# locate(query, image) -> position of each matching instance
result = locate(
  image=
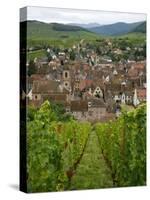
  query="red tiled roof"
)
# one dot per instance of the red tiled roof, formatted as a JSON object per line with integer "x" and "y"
{"x": 79, "y": 105}
{"x": 141, "y": 93}
{"x": 138, "y": 66}
{"x": 97, "y": 103}
{"x": 85, "y": 83}
{"x": 86, "y": 67}
{"x": 59, "y": 98}
{"x": 36, "y": 77}
{"x": 133, "y": 72}
{"x": 45, "y": 86}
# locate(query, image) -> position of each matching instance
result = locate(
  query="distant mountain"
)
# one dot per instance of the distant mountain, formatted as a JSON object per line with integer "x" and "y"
{"x": 87, "y": 26}
{"x": 119, "y": 28}
{"x": 140, "y": 28}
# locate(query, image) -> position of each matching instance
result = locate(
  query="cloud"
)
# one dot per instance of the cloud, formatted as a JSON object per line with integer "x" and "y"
{"x": 81, "y": 16}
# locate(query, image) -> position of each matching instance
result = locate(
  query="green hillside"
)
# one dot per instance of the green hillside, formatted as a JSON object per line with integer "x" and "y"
{"x": 39, "y": 33}
{"x": 42, "y": 35}
{"x": 141, "y": 28}
{"x": 135, "y": 38}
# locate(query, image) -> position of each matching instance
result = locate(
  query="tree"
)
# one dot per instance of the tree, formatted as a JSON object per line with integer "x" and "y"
{"x": 72, "y": 55}
{"x": 49, "y": 56}
{"x": 60, "y": 112}
{"x": 32, "y": 68}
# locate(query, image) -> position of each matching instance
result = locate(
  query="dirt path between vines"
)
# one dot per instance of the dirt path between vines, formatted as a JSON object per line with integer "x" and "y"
{"x": 92, "y": 171}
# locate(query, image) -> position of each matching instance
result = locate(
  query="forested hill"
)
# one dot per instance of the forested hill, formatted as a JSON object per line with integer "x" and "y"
{"x": 36, "y": 29}
{"x": 141, "y": 28}
{"x": 115, "y": 29}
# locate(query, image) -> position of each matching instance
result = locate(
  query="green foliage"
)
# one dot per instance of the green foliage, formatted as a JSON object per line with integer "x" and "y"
{"x": 43, "y": 34}
{"x": 43, "y": 158}
{"x": 141, "y": 28}
{"x": 74, "y": 136}
{"x": 32, "y": 68}
{"x": 72, "y": 55}
{"x": 54, "y": 148}
{"x": 45, "y": 114}
{"x": 36, "y": 54}
{"x": 44, "y": 151}
{"x": 31, "y": 111}
{"x": 123, "y": 144}
{"x": 65, "y": 27}
{"x": 60, "y": 112}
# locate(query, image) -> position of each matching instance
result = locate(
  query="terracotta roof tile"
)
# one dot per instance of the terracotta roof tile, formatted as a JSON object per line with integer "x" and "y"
{"x": 141, "y": 93}
{"x": 45, "y": 86}
{"x": 79, "y": 105}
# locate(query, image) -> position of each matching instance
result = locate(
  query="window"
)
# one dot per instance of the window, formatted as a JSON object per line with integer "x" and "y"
{"x": 89, "y": 104}
{"x": 66, "y": 84}
{"x": 66, "y": 74}
{"x": 36, "y": 97}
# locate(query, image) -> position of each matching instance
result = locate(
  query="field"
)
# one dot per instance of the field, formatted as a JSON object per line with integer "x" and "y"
{"x": 36, "y": 54}
{"x": 68, "y": 155}
{"x": 130, "y": 40}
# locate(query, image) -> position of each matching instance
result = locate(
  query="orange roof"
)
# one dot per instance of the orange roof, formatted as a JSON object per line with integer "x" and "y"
{"x": 35, "y": 77}
{"x": 133, "y": 72}
{"x": 79, "y": 105}
{"x": 85, "y": 83}
{"x": 138, "y": 66}
{"x": 141, "y": 93}
{"x": 45, "y": 86}
{"x": 86, "y": 67}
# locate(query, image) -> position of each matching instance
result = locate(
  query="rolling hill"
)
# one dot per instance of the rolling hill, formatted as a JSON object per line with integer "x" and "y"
{"x": 141, "y": 28}
{"x": 40, "y": 34}
{"x": 52, "y": 33}
{"x": 119, "y": 28}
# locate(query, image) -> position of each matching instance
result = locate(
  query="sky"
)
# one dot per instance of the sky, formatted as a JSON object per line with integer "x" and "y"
{"x": 65, "y": 16}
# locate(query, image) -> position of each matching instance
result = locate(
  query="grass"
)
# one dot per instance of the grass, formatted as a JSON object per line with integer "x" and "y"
{"x": 60, "y": 42}
{"x": 92, "y": 172}
{"x": 126, "y": 107}
{"x": 135, "y": 38}
{"x": 40, "y": 33}
{"x": 36, "y": 54}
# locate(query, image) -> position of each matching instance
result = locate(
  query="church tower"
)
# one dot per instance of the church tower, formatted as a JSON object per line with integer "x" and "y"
{"x": 66, "y": 79}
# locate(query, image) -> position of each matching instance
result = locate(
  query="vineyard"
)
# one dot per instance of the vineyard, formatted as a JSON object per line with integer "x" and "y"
{"x": 67, "y": 154}
{"x": 123, "y": 145}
